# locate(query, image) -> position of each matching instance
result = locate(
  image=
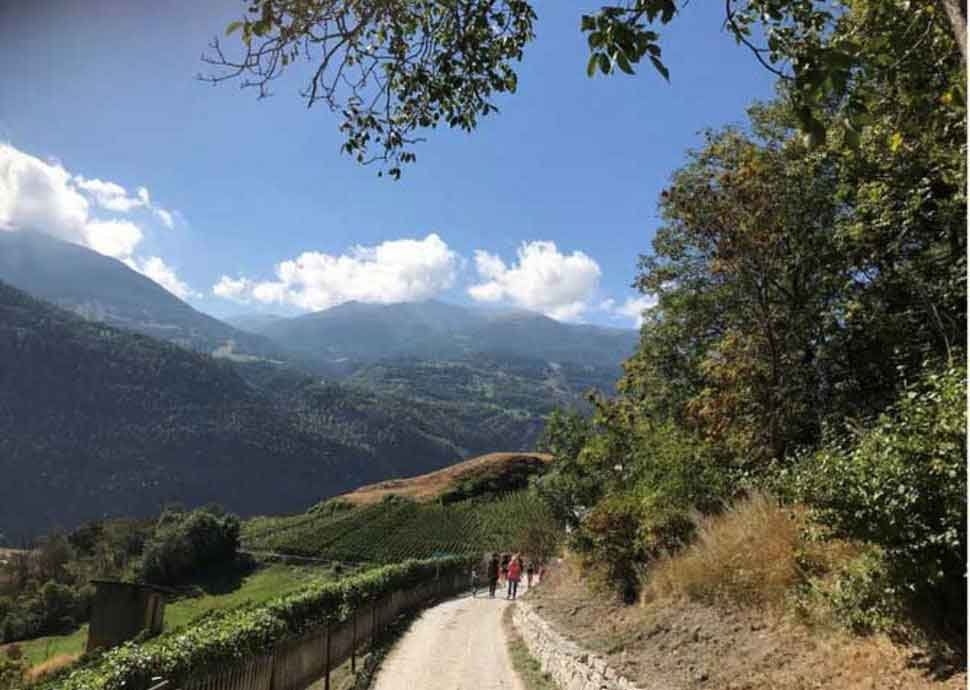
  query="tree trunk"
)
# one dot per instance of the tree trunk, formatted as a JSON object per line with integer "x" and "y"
{"x": 956, "y": 12}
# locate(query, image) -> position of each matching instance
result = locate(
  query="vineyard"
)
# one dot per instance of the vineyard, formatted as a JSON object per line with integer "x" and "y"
{"x": 398, "y": 528}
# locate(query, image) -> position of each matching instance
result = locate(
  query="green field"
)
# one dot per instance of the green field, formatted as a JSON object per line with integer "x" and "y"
{"x": 397, "y": 528}
{"x": 221, "y": 593}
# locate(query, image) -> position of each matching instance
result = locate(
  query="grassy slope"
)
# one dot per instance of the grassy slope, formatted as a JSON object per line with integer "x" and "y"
{"x": 418, "y": 517}
{"x": 736, "y": 609}
{"x": 259, "y": 586}
{"x": 427, "y": 487}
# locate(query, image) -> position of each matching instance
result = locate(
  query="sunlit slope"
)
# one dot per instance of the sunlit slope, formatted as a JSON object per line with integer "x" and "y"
{"x": 477, "y": 506}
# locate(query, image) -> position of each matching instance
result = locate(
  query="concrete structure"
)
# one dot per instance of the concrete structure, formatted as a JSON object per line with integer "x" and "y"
{"x": 121, "y": 610}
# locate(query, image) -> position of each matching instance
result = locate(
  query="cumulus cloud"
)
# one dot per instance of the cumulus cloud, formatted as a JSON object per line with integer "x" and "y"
{"x": 632, "y": 308}
{"x": 113, "y": 197}
{"x": 43, "y": 196}
{"x": 543, "y": 279}
{"x": 230, "y": 288}
{"x": 155, "y": 268}
{"x": 404, "y": 270}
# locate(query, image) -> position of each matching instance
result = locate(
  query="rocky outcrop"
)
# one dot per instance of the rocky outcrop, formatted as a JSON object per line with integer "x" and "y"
{"x": 571, "y": 666}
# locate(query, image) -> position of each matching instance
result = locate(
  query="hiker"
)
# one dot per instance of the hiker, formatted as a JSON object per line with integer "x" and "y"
{"x": 474, "y": 579}
{"x": 515, "y": 572}
{"x": 530, "y": 569}
{"x": 505, "y": 568}
{"x": 492, "y": 572}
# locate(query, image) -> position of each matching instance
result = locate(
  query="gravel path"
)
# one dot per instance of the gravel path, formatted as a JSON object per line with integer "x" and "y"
{"x": 457, "y": 645}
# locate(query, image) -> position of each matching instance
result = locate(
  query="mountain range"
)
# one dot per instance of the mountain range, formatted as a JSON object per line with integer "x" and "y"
{"x": 97, "y": 421}
{"x": 103, "y": 289}
{"x": 117, "y": 397}
{"x": 433, "y": 330}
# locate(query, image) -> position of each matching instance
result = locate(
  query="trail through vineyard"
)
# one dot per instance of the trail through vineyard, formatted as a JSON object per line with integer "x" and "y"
{"x": 457, "y": 645}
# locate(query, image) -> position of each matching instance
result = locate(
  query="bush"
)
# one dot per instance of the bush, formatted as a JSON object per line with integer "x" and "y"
{"x": 901, "y": 485}
{"x": 185, "y": 543}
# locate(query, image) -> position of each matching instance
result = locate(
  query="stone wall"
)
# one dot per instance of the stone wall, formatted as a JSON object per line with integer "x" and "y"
{"x": 571, "y": 666}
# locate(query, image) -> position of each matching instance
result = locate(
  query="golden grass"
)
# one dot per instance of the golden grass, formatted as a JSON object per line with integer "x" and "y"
{"x": 426, "y": 487}
{"x": 44, "y": 668}
{"x": 751, "y": 554}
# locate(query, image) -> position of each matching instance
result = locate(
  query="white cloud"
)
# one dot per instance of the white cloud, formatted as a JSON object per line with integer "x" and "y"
{"x": 402, "y": 270}
{"x": 234, "y": 289}
{"x": 632, "y": 308}
{"x": 45, "y": 197}
{"x": 165, "y": 217}
{"x": 114, "y": 238}
{"x": 39, "y": 195}
{"x": 108, "y": 195}
{"x": 543, "y": 279}
{"x": 113, "y": 197}
{"x": 155, "y": 268}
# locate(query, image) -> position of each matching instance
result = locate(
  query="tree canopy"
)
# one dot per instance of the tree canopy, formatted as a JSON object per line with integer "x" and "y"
{"x": 394, "y": 70}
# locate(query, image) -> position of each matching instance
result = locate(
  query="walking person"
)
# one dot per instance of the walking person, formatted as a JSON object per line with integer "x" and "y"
{"x": 492, "y": 573}
{"x": 515, "y": 572}
{"x": 474, "y": 581}
{"x": 504, "y": 570}
{"x": 530, "y": 569}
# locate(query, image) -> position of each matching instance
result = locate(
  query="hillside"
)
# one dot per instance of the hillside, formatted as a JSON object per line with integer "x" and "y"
{"x": 439, "y": 331}
{"x": 99, "y": 421}
{"x": 493, "y": 472}
{"x": 103, "y": 289}
{"x": 470, "y": 508}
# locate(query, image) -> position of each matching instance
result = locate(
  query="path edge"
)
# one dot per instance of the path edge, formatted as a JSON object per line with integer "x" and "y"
{"x": 571, "y": 666}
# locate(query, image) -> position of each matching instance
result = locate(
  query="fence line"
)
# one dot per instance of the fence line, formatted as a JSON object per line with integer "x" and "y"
{"x": 298, "y": 663}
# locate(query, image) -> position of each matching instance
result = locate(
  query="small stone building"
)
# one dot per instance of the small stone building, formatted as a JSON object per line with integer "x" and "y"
{"x": 121, "y": 610}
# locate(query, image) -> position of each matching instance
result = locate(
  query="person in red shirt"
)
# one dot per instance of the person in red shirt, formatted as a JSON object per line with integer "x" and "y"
{"x": 515, "y": 572}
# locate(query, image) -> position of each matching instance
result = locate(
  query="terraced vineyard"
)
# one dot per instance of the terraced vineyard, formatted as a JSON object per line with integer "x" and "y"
{"x": 398, "y": 528}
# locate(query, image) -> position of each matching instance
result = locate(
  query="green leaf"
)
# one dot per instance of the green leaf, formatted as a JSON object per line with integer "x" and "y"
{"x": 664, "y": 72}
{"x": 233, "y": 27}
{"x": 624, "y": 63}
{"x": 605, "y": 65}
{"x": 591, "y": 65}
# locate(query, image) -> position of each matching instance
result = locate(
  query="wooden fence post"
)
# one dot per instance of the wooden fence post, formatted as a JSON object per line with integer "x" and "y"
{"x": 326, "y": 677}
{"x": 373, "y": 622}
{"x": 353, "y": 646}
{"x": 272, "y": 669}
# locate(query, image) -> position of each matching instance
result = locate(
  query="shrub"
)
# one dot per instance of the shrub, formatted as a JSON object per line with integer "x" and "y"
{"x": 184, "y": 543}
{"x": 901, "y": 485}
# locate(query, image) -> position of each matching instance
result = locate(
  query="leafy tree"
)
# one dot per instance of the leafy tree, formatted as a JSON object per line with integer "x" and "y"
{"x": 185, "y": 543}
{"x": 394, "y": 69}
{"x": 390, "y": 69}
{"x": 901, "y": 484}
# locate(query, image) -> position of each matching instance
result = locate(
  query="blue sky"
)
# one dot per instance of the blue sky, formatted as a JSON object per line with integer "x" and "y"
{"x": 105, "y": 92}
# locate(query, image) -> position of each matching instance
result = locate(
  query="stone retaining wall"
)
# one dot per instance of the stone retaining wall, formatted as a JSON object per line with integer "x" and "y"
{"x": 571, "y": 666}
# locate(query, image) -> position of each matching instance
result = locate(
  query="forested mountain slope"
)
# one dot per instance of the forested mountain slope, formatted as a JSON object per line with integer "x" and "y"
{"x": 99, "y": 421}
{"x": 103, "y": 289}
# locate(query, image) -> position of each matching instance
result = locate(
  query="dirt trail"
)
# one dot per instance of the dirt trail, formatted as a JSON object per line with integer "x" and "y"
{"x": 457, "y": 645}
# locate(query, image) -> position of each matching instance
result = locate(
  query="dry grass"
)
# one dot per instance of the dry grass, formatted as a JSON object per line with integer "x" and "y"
{"x": 751, "y": 554}
{"x": 45, "y": 668}
{"x": 429, "y": 486}
{"x": 678, "y": 643}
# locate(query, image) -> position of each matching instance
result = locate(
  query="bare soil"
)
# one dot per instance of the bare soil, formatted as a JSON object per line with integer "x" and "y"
{"x": 426, "y": 487}
{"x": 681, "y": 645}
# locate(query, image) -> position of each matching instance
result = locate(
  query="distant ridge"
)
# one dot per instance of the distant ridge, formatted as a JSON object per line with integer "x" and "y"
{"x": 438, "y": 330}
{"x": 100, "y": 288}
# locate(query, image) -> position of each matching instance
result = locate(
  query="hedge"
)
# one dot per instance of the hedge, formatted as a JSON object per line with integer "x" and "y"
{"x": 233, "y": 635}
